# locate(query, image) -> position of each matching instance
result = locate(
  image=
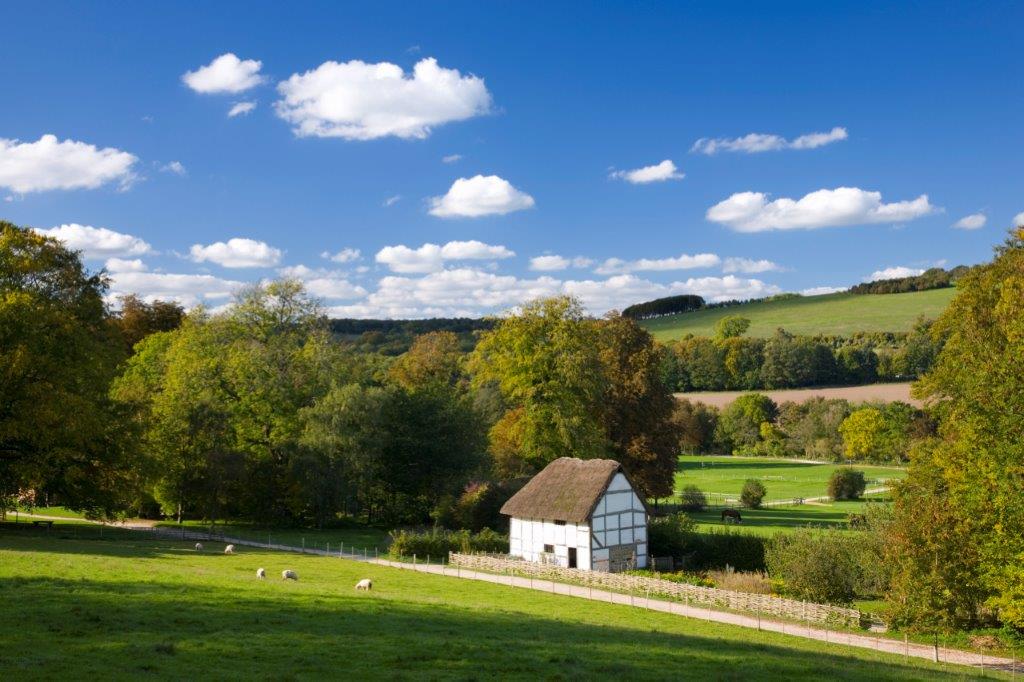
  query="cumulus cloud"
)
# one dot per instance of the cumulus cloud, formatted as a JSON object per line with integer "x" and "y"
{"x": 323, "y": 283}
{"x": 431, "y": 257}
{"x": 237, "y": 253}
{"x": 346, "y": 255}
{"x": 97, "y": 242}
{"x": 893, "y": 273}
{"x": 132, "y": 277}
{"x": 974, "y": 221}
{"x": 549, "y": 263}
{"x": 241, "y": 109}
{"x": 749, "y": 266}
{"x": 682, "y": 262}
{"x": 480, "y": 195}
{"x": 472, "y": 292}
{"x": 175, "y": 167}
{"x": 227, "y": 74}
{"x": 752, "y": 212}
{"x": 1018, "y": 220}
{"x": 359, "y": 101}
{"x": 49, "y": 164}
{"x": 761, "y": 142}
{"x": 666, "y": 170}
{"x": 821, "y": 291}
{"x": 451, "y": 158}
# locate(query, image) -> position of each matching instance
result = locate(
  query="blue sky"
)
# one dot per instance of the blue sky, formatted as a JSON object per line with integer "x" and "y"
{"x": 552, "y": 106}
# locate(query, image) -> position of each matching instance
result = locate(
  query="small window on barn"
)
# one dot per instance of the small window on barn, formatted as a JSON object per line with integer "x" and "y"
{"x": 559, "y": 523}
{"x": 550, "y": 549}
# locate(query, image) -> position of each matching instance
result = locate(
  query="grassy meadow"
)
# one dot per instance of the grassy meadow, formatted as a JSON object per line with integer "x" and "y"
{"x": 841, "y": 314}
{"x": 126, "y": 607}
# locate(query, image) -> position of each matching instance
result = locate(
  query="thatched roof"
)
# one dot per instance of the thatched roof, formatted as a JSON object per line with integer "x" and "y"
{"x": 567, "y": 490}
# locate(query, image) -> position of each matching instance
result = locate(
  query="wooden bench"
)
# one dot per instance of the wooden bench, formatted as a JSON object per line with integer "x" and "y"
{"x": 48, "y": 524}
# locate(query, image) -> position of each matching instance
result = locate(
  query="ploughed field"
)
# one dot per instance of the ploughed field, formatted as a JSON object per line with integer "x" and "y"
{"x": 126, "y": 607}
{"x": 886, "y": 393}
{"x": 839, "y": 314}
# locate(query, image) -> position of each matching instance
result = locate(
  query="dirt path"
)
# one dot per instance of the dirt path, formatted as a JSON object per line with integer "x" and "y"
{"x": 923, "y": 651}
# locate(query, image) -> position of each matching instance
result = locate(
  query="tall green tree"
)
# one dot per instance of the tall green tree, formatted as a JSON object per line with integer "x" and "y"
{"x": 58, "y": 353}
{"x": 545, "y": 361}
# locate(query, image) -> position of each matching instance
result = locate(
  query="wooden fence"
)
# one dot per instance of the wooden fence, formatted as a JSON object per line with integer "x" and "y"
{"x": 763, "y": 604}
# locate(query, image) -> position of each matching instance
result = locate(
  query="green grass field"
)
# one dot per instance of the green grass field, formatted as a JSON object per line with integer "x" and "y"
{"x": 782, "y": 478}
{"x": 127, "y": 608}
{"x": 352, "y": 534}
{"x": 771, "y": 520}
{"x": 840, "y": 314}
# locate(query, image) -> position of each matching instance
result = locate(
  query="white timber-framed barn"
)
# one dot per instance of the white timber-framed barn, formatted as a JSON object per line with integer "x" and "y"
{"x": 579, "y": 513}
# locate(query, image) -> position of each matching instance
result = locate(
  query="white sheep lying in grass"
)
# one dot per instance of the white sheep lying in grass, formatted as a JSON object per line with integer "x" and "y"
{"x": 364, "y": 584}
{"x": 199, "y": 547}
{"x": 230, "y": 549}
{"x": 288, "y": 574}
{"x": 261, "y": 573}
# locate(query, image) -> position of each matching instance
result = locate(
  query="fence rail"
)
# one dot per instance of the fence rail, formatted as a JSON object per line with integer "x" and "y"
{"x": 763, "y": 604}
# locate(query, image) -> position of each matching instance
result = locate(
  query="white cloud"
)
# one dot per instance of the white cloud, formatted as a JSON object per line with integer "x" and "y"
{"x": 132, "y": 277}
{"x": 451, "y": 158}
{"x": 752, "y": 212}
{"x": 241, "y": 109}
{"x": 893, "y": 273}
{"x": 478, "y": 196}
{"x": 749, "y": 266}
{"x": 97, "y": 242}
{"x": 682, "y": 262}
{"x": 225, "y": 74}
{"x": 175, "y": 167}
{"x": 123, "y": 265}
{"x": 975, "y": 221}
{"x": 761, "y": 142}
{"x": 327, "y": 284}
{"x": 821, "y": 291}
{"x": 237, "y": 253}
{"x": 549, "y": 263}
{"x": 471, "y": 292}
{"x": 49, "y": 164}
{"x": 1018, "y": 220}
{"x": 392, "y": 200}
{"x": 431, "y": 257}
{"x": 359, "y": 101}
{"x": 346, "y": 255}
{"x": 666, "y": 170}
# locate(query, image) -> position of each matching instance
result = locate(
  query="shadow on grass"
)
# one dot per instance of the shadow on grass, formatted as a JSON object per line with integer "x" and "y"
{"x": 791, "y": 517}
{"x": 99, "y": 540}
{"x": 273, "y": 630}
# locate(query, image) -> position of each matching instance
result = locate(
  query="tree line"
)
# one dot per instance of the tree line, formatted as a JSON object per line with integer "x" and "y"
{"x": 730, "y": 361}
{"x": 932, "y": 278}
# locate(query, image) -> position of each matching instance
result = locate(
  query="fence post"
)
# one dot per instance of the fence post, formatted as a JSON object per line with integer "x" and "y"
{"x": 303, "y": 544}
{"x": 413, "y": 559}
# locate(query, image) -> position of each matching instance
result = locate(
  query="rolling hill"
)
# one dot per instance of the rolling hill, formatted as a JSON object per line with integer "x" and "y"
{"x": 840, "y": 314}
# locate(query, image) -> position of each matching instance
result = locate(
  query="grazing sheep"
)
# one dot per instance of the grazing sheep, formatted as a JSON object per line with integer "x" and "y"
{"x": 288, "y": 574}
{"x": 199, "y": 547}
{"x": 230, "y": 549}
{"x": 261, "y": 573}
{"x": 364, "y": 584}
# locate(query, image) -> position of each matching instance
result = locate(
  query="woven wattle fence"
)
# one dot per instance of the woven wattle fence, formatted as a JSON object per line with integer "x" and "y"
{"x": 764, "y": 604}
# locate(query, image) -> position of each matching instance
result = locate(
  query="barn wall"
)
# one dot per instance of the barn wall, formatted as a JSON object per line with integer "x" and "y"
{"x": 527, "y": 538}
{"x": 619, "y": 528}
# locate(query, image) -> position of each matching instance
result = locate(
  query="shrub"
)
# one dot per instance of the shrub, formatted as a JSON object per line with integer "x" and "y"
{"x": 693, "y": 499}
{"x": 753, "y": 493}
{"x": 671, "y": 535}
{"x": 846, "y": 483}
{"x": 820, "y": 566}
{"x": 698, "y": 579}
{"x": 438, "y": 543}
{"x": 726, "y": 547}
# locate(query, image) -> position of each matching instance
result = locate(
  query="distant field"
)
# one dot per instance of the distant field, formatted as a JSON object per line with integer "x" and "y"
{"x": 131, "y": 608}
{"x": 841, "y": 314}
{"x": 881, "y": 392}
{"x": 783, "y": 478}
{"x": 772, "y": 520}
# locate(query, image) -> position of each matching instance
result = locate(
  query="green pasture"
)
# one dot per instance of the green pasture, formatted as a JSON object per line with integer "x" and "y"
{"x": 841, "y": 314}
{"x": 351, "y": 533}
{"x": 771, "y": 520}
{"x": 782, "y": 478}
{"x": 128, "y": 607}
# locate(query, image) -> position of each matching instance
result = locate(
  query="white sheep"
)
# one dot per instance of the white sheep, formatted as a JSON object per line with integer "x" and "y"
{"x": 261, "y": 573}
{"x": 364, "y": 584}
{"x": 199, "y": 547}
{"x": 288, "y": 574}
{"x": 230, "y": 549}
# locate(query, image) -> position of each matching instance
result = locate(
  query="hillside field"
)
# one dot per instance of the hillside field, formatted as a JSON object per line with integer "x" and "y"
{"x": 126, "y": 607}
{"x": 885, "y": 393}
{"x": 841, "y": 314}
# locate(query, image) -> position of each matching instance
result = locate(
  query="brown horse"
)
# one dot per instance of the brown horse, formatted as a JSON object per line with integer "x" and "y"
{"x": 733, "y": 514}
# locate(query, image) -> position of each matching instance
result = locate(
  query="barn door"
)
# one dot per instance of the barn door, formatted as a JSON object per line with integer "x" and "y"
{"x": 572, "y": 557}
